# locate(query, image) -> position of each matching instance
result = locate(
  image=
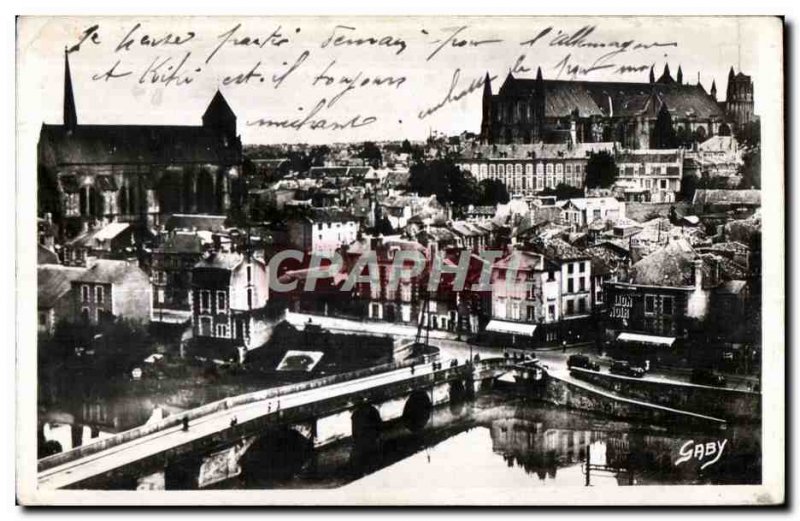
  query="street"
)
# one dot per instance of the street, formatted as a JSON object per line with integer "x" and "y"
{"x": 556, "y": 360}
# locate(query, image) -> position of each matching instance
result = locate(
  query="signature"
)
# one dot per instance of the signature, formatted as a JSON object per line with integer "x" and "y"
{"x": 452, "y": 95}
{"x": 702, "y": 452}
{"x": 570, "y": 68}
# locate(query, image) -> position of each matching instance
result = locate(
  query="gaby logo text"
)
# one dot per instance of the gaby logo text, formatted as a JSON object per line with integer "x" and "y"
{"x": 705, "y": 453}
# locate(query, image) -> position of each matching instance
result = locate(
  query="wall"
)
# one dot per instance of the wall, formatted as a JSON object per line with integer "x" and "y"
{"x": 730, "y": 404}
{"x": 582, "y": 397}
{"x": 639, "y": 211}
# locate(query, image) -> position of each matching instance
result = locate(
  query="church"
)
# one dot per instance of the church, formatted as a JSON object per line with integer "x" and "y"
{"x": 91, "y": 175}
{"x": 662, "y": 113}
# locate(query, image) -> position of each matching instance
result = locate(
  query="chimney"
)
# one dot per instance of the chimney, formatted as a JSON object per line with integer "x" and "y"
{"x": 698, "y": 274}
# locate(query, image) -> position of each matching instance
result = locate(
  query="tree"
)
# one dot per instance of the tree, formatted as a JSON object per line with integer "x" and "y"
{"x": 371, "y": 153}
{"x": 443, "y": 178}
{"x": 601, "y": 170}
{"x": 319, "y": 154}
{"x": 383, "y": 226}
{"x": 563, "y": 191}
{"x": 492, "y": 192}
{"x": 749, "y": 134}
{"x": 751, "y": 170}
{"x": 406, "y": 147}
{"x": 688, "y": 186}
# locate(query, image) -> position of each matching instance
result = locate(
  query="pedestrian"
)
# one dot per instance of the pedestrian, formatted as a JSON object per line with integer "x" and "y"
{"x": 234, "y": 421}
{"x": 563, "y": 346}
{"x": 185, "y": 423}
{"x": 412, "y": 368}
{"x": 278, "y": 407}
{"x": 269, "y": 407}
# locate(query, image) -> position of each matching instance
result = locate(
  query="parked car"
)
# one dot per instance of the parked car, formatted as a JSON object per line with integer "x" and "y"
{"x": 582, "y": 361}
{"x": 708, "y": 377}
{"x": 625, "y": 368}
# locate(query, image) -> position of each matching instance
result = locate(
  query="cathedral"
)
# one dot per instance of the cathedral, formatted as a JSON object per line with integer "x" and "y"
{"x": 662, "y": 113}
{"x": 90, "y": 175}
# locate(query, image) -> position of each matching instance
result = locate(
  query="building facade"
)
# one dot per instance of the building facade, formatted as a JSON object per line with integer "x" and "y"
{"x": 111, "y": 289}
{"x": 228, "y": 292}
{"x": 92, "y": 174}
{"x": 323, "y": 231}
{"x": 637, "y": 115}
{"x": 530, "y": 169}
{"x": 649, "y": 175}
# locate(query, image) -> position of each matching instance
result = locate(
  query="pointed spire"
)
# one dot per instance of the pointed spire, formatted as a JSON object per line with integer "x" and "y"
{"x": 666, "y": 77}
{"x": 731, "y": 74}
{"x": 679, "y": 76}
{"x": 538, "y": 74}
{"x": 714, "y": 89}
{"x": 487, "y": 86}
{"x": 70, "y": 113}
{"x": 652, "y": 74}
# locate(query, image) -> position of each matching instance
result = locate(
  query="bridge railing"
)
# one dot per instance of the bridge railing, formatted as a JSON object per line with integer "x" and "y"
{"x": 211, "y": 408}
{"x": 235, "y": 401}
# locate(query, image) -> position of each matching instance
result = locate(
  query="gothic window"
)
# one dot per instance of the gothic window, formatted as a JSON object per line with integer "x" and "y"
{"x": 529, "y": 168}
{"x": 518, "y": 169}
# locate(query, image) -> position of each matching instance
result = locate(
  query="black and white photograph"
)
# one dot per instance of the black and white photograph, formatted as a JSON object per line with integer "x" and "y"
{"x": 400, "y": 260}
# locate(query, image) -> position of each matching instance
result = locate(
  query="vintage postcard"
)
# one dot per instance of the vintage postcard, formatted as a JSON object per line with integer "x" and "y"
{"x": 400, "y": 260}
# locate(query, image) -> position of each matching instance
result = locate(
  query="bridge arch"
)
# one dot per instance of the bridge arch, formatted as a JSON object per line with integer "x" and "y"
{"x": 417, "y": 411}
{"x": 278, "y": 454}
{"x": 366, "y": 426}
{"x": 458, "y": 395}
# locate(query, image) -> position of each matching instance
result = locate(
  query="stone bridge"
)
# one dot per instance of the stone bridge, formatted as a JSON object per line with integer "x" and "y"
{"x": 304, "y": 416}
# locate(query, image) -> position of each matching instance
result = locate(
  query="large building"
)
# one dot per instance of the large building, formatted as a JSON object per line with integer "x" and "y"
{"x": 636, "y": 115}
{"x": 526, "y": 169}
{"x": 739, "y": 98}
{"x": 94, "y": 174}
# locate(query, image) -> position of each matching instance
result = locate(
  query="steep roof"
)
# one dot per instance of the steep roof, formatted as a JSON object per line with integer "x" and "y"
{"x": 45, "y": 255}
{"x": 671, "y": 265}
{"x": 733, "y": 197}
{"x": 558, "y": 250}
{"x": 54, "y": 281}
{"x": 179, "y": 221}
{"x": 107, "y": 271}
{"x": 537, "y": 150}
{"x": 137, "y": 144}
{"x": 220, "y": 260}
{"x": 522, "y": 260}
{"x": 594, "y": 98}
{"x": 182, "y": 243}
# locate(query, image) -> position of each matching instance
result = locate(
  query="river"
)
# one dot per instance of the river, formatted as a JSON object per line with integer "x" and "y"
{"x": 505, "y": 440}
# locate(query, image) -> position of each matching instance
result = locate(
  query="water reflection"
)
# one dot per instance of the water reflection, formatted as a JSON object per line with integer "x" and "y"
{"x": 501, "y": 442}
